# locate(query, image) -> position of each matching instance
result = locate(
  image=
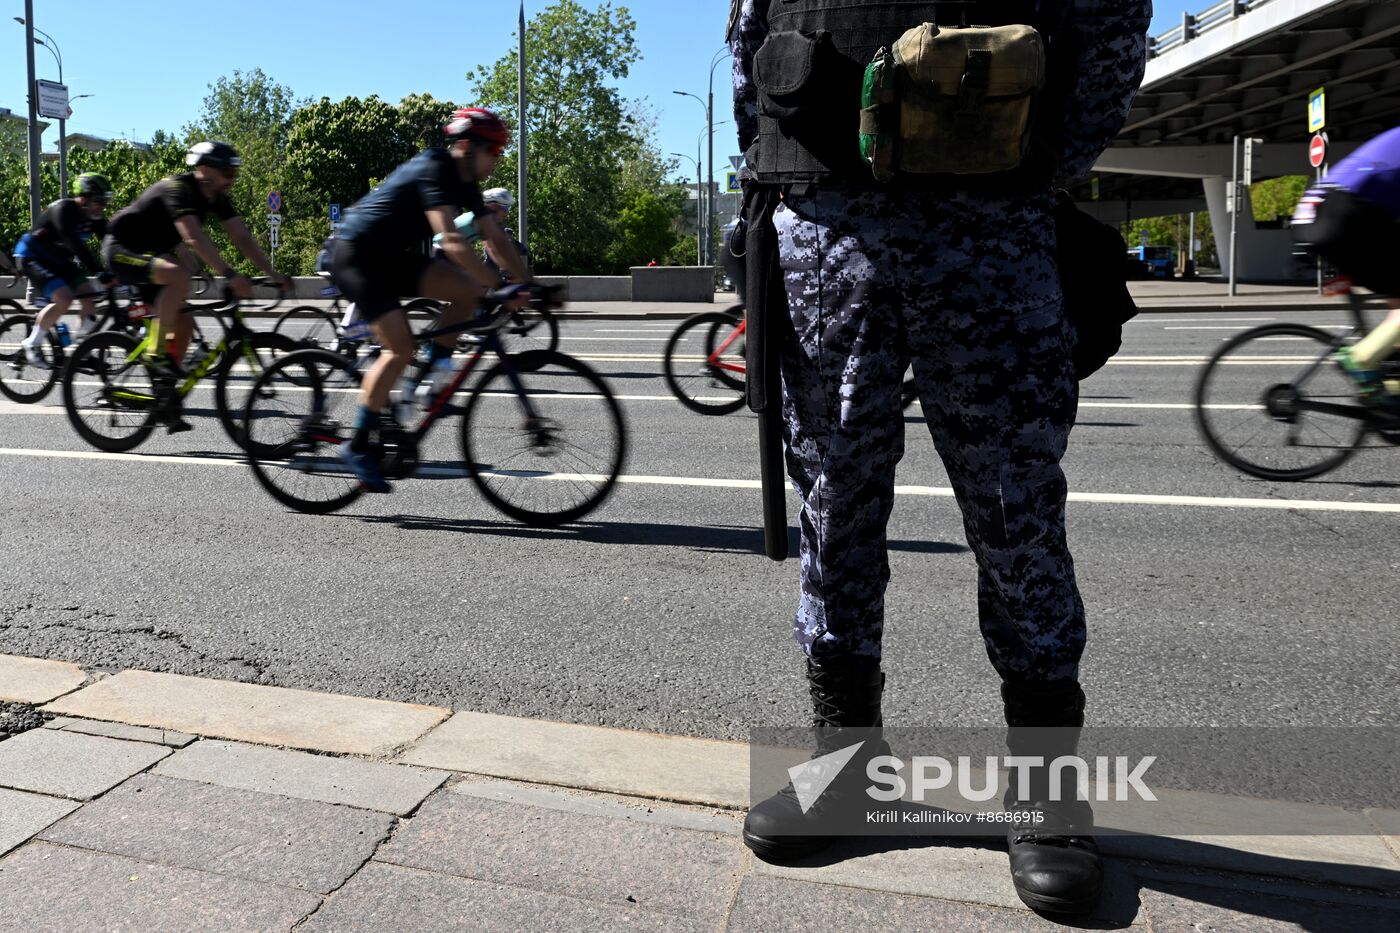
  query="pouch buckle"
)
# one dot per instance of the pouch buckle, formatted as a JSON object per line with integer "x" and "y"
{"x": 972, "y": 90}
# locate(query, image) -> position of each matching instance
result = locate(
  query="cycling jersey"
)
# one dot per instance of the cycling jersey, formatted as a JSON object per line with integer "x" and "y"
{"x": 392, "y": 217}
{"x": 1372, "y": 172}
{"x": 148, "y": 224}
{"x": 62, "y": 234}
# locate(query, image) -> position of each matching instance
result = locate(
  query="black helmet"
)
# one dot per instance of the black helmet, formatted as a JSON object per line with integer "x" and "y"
{"x": 92, "y": 185}
{"x": 215, "y": 154}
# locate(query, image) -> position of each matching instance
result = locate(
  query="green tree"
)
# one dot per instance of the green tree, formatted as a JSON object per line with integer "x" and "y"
{"x": 423, "y": 116}
{"x": 253, "y": 112}
{"x": 580, "y": 131}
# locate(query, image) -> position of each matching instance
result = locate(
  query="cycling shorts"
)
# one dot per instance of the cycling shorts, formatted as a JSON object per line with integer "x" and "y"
{"x": 375, "y": 280}
{"x": 46, "y": 272}
{"x": 1357, "y": 237}
{"x": 129, "y": 266}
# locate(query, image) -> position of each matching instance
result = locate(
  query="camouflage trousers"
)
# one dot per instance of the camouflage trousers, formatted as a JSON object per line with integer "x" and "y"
{"x": 966, "y": 290}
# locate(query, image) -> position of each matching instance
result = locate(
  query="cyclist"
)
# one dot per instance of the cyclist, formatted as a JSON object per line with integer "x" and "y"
{"x": 501, "y": 201}
{"x": 1353, "y": 221}
{"x": 55, "y": 255}
{"x": 141, "y": 247}
{"x": 379, "y": 259}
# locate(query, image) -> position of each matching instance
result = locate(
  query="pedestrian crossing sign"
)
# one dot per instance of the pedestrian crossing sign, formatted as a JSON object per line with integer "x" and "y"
{"x": 731, "y": 183}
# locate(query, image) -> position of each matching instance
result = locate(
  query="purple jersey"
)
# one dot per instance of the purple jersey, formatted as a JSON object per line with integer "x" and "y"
{"x": 1373, "y": 172}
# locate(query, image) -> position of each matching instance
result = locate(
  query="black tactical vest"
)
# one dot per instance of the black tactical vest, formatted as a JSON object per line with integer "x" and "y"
{"x": 808, "y": 74}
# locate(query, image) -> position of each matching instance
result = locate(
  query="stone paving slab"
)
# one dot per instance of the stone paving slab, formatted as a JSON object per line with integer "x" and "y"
{"x": 51, "y": 889}
{"x": 677, "y": 872}
{"x": 117, "y": 730}
{"x": 253, "y": 713}
{"x": 23, "y": 816}
{"x": 63, "y": 764}
{"x": 618, "y": 761}
{"x": 347, "y": 781}
{"x": 774, "y": 905}
{"x": 590, "y": 803}
{"x": 1360, "y": 861}
{"x": 963, "y": 870}
{"x": 258, "y": 837}
{"x": 1259, "y": 907}
{"x": 390, "y": 897}
{"x": 35, "y": 680}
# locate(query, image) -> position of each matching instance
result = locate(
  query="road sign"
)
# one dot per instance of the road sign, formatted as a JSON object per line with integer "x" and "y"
{"x": 53, "y": 99}
{"x": 274, "y": 220}
{"x": 731, "y": 183}
{"x": 1317, "y": 110}
{"x": 1142, "y": 235}
{"x": 274, "y": 201}
{"x": 737, "y": 162}
{"x": 273, "y": 235}
{"x": 1317, "y": 151}
{"x": 1248, "y": 162}
{"x": 335, "y": 213}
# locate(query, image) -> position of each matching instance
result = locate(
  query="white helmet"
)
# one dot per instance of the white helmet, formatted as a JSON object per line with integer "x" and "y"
{"x": 499, "y": 197}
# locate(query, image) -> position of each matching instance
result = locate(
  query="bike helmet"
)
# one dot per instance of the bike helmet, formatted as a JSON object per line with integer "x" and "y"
{"x": 214, "y": 154}
{"x": 92, "y": 185}
{"x": 499, "y": 197}
{"x": 478, "y": 125}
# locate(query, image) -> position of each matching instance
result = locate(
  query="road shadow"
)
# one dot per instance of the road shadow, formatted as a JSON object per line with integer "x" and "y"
{"x": 717, "y": 539}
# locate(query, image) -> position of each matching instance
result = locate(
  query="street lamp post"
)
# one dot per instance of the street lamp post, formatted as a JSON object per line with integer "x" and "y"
{"x": 27, "y": 21}
{"x": 701, "y": 190}
{"x": 699, "y": 260}
{"x": 710, "y": 113}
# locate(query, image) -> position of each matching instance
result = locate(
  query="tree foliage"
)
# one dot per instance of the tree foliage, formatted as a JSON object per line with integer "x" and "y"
{"x": 581, "y": 135}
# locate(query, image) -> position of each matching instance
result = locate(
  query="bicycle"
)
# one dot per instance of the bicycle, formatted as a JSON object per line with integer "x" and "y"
{"x": 564, "y": 439}
{"x": 311, "y": 326}
{"x": 20, "y": 380}
{"x": 713, "y": 382}
{"x": 130, "y": 394}
{"x": 1299, "y": 415}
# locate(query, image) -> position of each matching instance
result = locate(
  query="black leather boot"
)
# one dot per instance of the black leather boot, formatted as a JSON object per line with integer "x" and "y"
{"x": 1055, "y": 862}
{"x": 845, "y": 695}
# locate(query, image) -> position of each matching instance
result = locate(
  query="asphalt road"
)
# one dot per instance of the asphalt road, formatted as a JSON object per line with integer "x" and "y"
{"x": 659, "y": 612}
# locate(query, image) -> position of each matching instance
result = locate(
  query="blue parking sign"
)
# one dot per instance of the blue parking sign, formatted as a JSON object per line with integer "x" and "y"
{"x": 335, "y": 213}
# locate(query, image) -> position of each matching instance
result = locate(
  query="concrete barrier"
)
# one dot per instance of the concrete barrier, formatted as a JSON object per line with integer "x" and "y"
{"x": 673, "y": 283}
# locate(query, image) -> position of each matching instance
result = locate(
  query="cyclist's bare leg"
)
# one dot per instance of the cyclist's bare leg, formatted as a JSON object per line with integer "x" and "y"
{"x": 396, "y": 341}
{"x": 174, "y": 281}
{"x": 53, "y": 311}
{"x": 446, "y": 282}
{"x": 1376, "y": 346}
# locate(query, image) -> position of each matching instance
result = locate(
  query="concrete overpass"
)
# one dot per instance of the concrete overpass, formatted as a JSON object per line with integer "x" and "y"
{"x": 1246, "y": 68}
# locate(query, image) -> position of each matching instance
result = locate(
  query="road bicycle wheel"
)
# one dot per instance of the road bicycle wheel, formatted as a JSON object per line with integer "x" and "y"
{"x": 237, "y": 373}
{"x": 298, "y": 412}
{"x": 309, "y": 326}
{"x": 1271, "y": 403}
{"x": 9, "y": 306}
{"x": 694, "y": 363}
{"x": 557, "y": 466}
{"x": 108, "y": 393}
{"x": 21, "y": 381}
{"x": 531, "y": 329}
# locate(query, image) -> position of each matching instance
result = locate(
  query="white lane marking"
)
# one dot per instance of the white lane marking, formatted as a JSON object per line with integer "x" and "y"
{"x": 1199, "y": 320}
{"x": 1108, "y": 498}
{"x": 15, "y": 408}
{"x": 1340, "y": 327}
{"x": 621, "y": 339}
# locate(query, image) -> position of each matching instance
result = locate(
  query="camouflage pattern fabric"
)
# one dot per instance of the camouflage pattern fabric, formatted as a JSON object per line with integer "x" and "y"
{"x": 966, "y": 289}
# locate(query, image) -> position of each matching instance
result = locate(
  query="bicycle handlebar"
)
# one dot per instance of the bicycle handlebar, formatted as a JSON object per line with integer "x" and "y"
{"x": 229, "y": 301}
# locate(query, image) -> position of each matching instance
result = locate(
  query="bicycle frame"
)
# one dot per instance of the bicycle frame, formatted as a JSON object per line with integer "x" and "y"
{"x": 490, "y": 343}
{"x": 714, "y": 358}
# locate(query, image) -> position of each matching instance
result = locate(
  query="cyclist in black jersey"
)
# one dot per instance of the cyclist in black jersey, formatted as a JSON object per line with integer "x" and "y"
{"x": 379, "y": 259}
{"x": 56, "y": 257}
{"x": 141, "y": 248}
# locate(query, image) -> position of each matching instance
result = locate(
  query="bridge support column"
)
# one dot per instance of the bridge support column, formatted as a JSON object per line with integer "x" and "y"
{"x": 1265, "y": 255}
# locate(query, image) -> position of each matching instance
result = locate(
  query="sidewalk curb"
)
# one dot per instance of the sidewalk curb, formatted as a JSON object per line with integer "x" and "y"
{"x": 630, "y": 764}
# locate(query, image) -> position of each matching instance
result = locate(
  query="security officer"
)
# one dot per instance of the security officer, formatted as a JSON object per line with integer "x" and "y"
{"x": 952, "y": 267}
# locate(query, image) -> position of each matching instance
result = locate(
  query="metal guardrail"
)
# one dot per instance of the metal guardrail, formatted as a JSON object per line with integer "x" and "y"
{"x": 1194, "y": 25}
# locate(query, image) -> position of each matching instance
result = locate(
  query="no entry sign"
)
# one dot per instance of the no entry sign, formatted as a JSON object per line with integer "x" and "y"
{"x": 1317, "y": 151}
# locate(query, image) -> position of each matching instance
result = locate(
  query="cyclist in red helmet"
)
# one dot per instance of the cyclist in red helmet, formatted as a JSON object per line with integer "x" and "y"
{"x": 379, "y": 258}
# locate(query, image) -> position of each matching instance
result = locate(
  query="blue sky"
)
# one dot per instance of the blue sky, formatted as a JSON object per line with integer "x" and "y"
{"x": 148, "y": 64}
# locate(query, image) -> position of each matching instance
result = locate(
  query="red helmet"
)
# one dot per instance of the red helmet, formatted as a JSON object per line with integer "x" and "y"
{"x": 479, "y": 125}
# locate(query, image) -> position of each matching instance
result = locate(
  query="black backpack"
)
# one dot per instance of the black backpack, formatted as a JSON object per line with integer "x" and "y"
{"x": 1093, "y": 261}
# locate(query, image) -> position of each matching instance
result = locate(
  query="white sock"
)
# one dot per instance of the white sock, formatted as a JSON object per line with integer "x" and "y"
{"x": 89, "y": 325}
{"x": 352, "y": 314}
{"x": 33, "y": 339}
